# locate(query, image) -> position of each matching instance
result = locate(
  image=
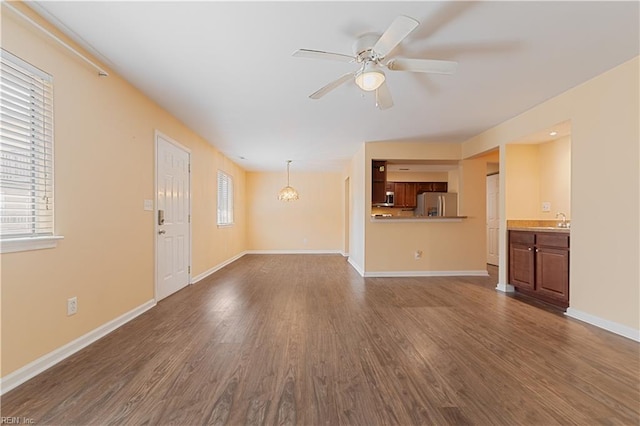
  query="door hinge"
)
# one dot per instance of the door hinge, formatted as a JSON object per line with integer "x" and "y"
{"x": 189, "y": 167}
{"x": 189, "y": 219}
{"x": 188, "y": 269}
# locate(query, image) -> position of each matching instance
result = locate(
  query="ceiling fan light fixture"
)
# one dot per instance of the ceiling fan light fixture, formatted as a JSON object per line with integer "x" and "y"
{"x": 370, "y": 78}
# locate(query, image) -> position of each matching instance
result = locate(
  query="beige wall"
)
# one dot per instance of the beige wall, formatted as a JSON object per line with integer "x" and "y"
{"x": 555, "y": 177}
{"x": 537, "y": 173}
{"x": 417, "y": 176}
{"x": 605, "y": 247}
{"x": 314, "y": 222}
{"x": 522, "y": 180}
{"x": 360, "y": 192}
{"x": 104, "y": 169}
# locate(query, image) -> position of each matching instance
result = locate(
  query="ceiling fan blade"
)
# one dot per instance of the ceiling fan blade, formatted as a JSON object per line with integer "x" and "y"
{"x": 383, "y": 96}
{"x": 397, "y": 31}
{"x": 329, "y": 87}
{"x": 423, "y": 65}
{"x": 319, "y": 54}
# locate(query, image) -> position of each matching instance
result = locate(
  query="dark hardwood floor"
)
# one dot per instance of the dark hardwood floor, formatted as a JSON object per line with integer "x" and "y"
{"x": 303, "y": 339}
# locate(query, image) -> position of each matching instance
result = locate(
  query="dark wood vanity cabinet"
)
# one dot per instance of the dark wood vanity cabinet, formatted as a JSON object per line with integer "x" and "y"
{"x": 522, "y": 260}
{"x": 552, "y": 265}
{"x": 539, "y": 265}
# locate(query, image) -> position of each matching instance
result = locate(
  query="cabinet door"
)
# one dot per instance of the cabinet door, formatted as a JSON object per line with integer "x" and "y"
{"x": 379, "y": 171}
{"x": 377, "y": 192}
{"x": 521, "y": 270}
{"x": 440, "y": 186}
{"x": 425, "y": 187}
{"x": 521, "y": 258}
{"x": 552, "y": 272}
{"x": 410, "y": 194}
{"x": 399, "y": 199}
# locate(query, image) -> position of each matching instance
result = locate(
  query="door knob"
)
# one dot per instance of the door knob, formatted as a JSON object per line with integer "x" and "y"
{"x": 162, "y": 232}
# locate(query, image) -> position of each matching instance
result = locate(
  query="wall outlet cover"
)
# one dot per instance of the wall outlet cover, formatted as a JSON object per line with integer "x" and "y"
{"x": 546, "y": 206}
{"x": 148, "y": 205}
{"x": 72, "y": 306}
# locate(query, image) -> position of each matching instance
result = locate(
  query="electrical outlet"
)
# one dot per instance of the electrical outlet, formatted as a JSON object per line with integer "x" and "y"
{"x": 546, "y": 206}
{"x": 418, "y": 254}
{"x": 72, "y": 306}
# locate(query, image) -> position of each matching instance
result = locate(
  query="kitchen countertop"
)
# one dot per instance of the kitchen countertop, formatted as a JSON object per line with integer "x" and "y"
{"x": 417, "y": 218}
{"x": 540, "y": 229}
{"x": 536, "y": 225}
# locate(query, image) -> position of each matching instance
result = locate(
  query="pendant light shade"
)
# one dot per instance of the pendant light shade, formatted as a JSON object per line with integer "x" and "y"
{"x": 288, "y": 193}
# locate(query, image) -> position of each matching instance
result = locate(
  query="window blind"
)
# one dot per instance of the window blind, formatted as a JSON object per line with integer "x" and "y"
{"x": 26, "y": 149}
{"x": 225, "y": 198}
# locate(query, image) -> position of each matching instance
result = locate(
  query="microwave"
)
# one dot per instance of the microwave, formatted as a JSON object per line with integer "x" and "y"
{"x": 388, "y": 198}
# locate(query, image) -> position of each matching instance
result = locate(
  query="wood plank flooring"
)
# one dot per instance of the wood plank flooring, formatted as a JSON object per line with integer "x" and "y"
{"x": 303, "y": 339}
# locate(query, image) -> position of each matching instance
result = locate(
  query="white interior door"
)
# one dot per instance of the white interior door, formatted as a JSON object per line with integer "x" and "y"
{"x": 493, "y": 218}
{"x": 173, "y": 243}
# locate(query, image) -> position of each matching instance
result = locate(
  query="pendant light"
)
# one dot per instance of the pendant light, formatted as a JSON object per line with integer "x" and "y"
{"x": 288, "y": 193}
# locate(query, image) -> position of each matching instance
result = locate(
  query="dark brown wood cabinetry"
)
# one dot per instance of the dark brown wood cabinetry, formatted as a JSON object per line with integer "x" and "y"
{"x": 378, "y": 181}
{"x": 539, "y": 265}
{"x": 432, "y": 187}
{"x": 405, "y": 194}
{"x": 521, "y": 260}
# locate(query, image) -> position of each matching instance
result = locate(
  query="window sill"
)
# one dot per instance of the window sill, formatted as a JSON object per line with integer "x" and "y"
{"x": 225, "y": 225}
{"x": 28, "y": 244}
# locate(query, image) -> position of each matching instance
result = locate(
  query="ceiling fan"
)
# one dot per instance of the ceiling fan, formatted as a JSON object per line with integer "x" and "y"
{"x": 371, "y": 50}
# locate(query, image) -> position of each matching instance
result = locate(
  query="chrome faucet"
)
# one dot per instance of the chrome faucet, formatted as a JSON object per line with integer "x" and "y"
{"x": 564, "y": 223}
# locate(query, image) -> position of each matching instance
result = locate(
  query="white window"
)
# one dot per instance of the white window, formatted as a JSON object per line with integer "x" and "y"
{"x": 225, "y": 199}
{"x": 26, "y": 154}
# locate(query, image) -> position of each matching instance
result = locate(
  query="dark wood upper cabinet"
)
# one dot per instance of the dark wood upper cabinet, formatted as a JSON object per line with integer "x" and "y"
{"x": 432, "y": 187}
{"x": 405, "y": 194}
{"x": 378, "y": 181}
{"x": 379, "y": 170}
{"x": 410, "y": 194}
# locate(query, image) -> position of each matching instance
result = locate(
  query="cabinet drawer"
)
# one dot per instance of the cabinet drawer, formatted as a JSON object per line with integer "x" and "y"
{"x": 552, "y": 240}
{"x": 521, "y": 237}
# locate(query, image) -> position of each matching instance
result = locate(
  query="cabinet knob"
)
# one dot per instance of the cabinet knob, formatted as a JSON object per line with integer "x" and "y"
{"x": 529, "y": 248}
{"x": 537, "y": 250}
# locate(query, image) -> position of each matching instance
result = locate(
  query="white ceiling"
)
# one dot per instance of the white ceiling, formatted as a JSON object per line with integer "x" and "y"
{"x": 226, "y": 70}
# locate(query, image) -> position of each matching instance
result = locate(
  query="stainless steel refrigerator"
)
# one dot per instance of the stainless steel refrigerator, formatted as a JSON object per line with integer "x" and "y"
{"x": 437, "y": 204}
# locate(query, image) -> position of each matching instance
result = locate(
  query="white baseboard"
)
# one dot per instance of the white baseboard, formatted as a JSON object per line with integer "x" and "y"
{"x": 614, "y": 327}
{"x": 505, "y": 288}
{"x": 357, "y": 267}
{"x": 293, "y": 252}
{"x": 216, "y": 268}
{"x": 41, "y": 364}
{"x": 392, "y": 274}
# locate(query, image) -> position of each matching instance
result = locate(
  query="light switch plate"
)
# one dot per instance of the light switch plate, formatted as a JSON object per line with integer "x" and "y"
{"x": 148, "y": 205}
{"x": 546, "y": 206}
